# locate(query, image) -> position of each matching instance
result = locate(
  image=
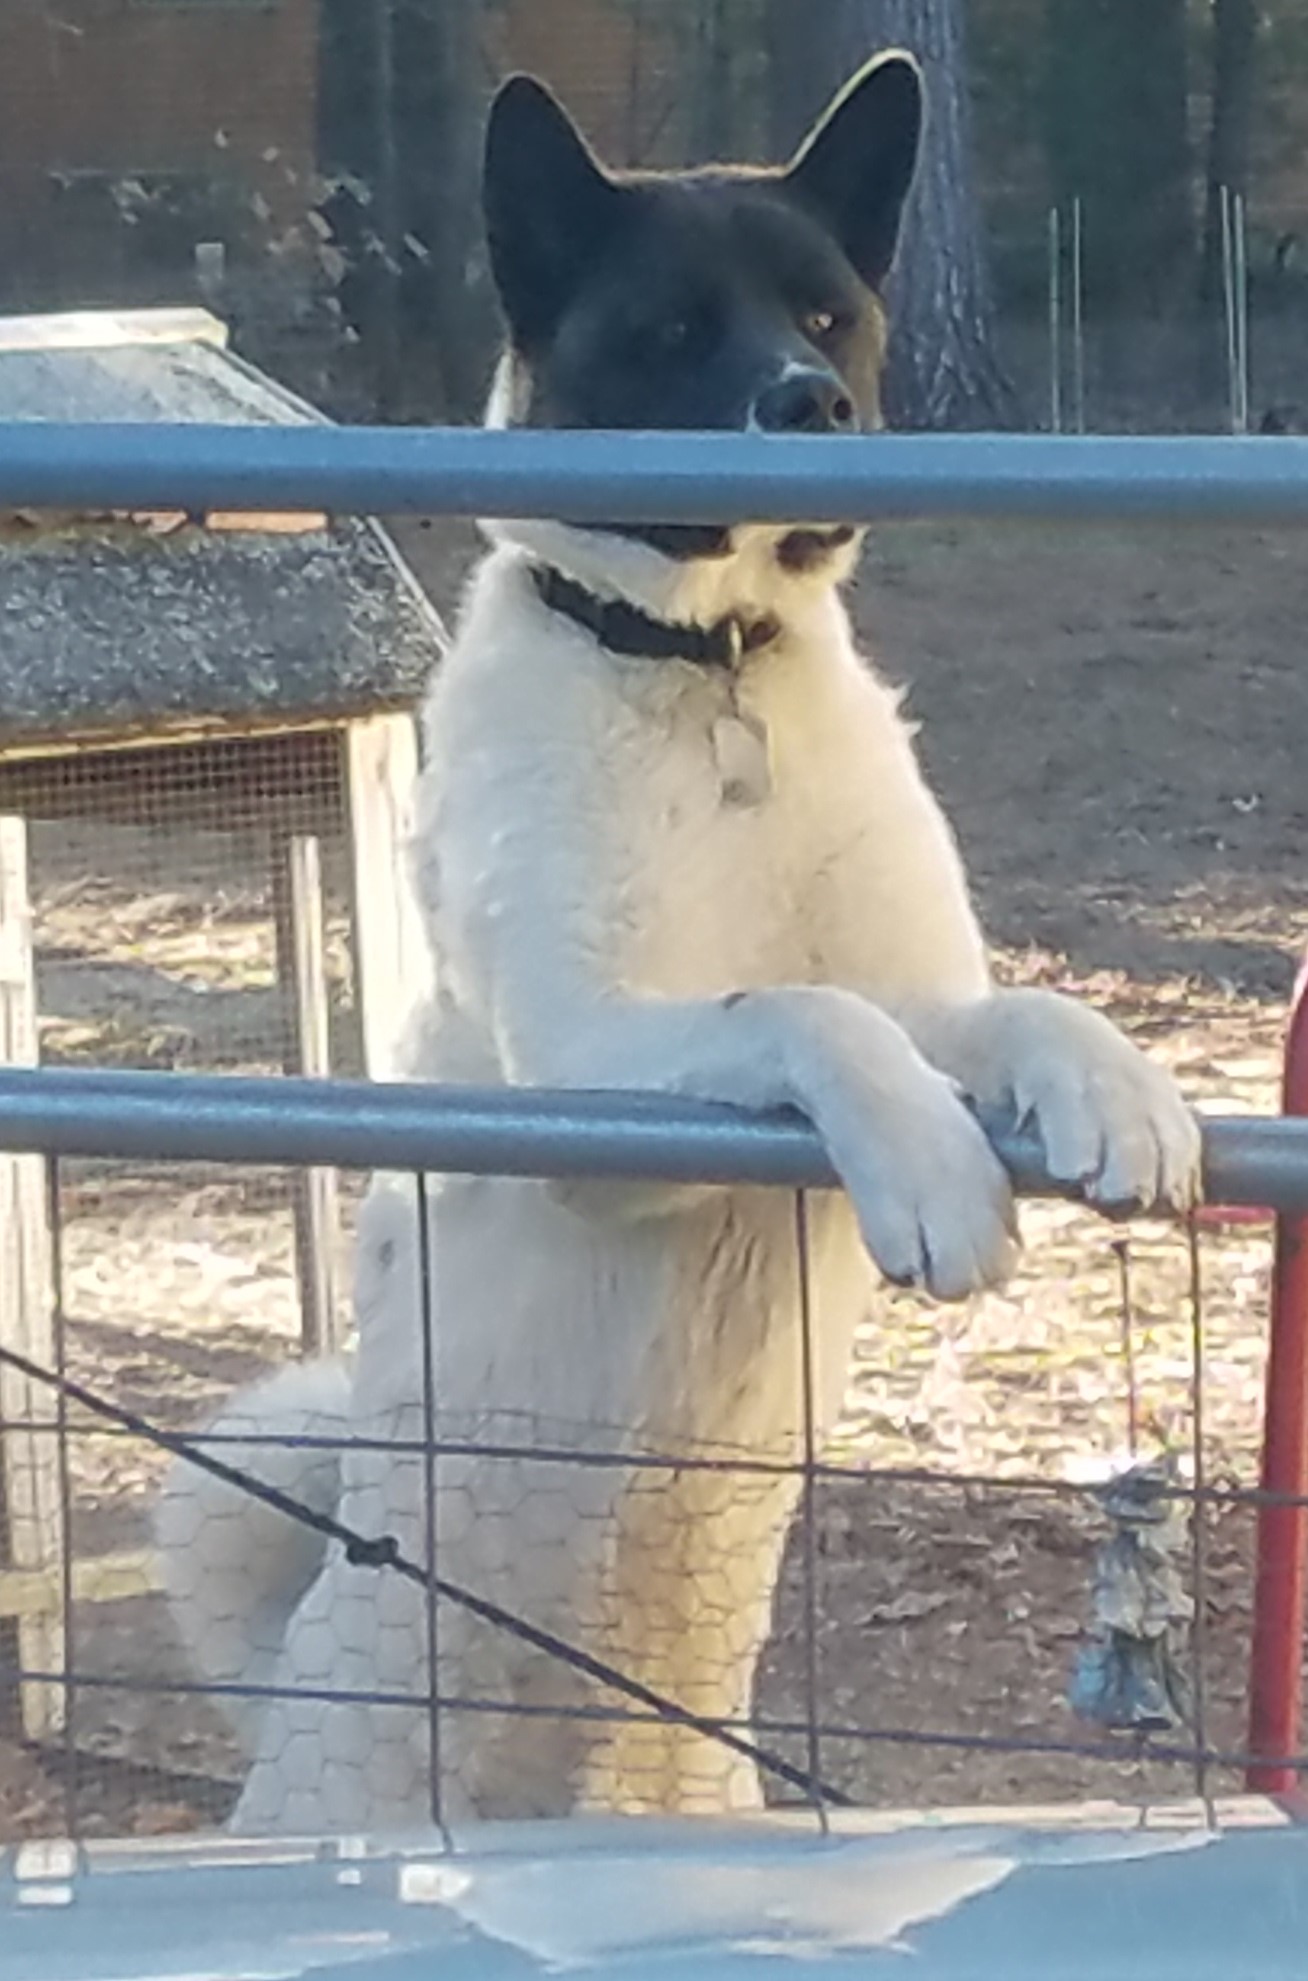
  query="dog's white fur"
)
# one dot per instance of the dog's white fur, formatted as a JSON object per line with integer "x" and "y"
{"x": 599, "y": 895}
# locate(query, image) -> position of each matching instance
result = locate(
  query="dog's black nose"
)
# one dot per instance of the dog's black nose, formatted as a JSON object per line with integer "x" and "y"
{"x": 805, "y": 402}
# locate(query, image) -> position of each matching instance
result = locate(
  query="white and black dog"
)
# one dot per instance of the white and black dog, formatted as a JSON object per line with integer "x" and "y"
{"x": 672, "y": 837}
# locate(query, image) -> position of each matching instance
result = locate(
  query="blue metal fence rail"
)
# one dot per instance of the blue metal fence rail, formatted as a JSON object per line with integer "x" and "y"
{"x": 649, "y": 477}
{"x": 518, "y": 1131}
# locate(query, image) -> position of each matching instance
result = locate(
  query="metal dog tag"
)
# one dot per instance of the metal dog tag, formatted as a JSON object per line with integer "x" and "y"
{"x": 744, "y": 759}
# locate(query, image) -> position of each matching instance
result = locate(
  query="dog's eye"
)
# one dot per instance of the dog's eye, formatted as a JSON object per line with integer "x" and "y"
{"x": 675, "y": 338}
{"x": 673, "y": 335}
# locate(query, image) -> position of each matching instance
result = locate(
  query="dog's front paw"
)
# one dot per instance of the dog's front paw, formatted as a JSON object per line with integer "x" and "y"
{"x": 1112, "y": 1123}
{"x": 933, "y": 1201}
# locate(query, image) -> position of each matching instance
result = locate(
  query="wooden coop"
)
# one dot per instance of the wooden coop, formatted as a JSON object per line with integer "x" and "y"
{"x": 244, "y": 685}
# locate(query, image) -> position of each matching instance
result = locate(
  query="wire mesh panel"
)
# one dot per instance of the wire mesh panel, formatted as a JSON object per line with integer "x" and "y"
{"x": 961, "y": 1611}
{"x": 309, "y": 170}
{"x": 153, "y": 874}
{"x": 157, "y": 883}
{"x": 172, "y": 892}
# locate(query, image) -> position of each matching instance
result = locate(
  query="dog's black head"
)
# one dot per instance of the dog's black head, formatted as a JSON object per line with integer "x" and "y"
{"x": 728, "y": 298}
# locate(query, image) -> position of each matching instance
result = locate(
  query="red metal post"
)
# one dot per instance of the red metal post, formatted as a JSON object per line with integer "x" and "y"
{"x": 1281, "y": 1587}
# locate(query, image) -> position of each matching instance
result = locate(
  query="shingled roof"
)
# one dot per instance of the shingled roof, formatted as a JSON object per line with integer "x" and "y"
{"x": 134, "y": 626}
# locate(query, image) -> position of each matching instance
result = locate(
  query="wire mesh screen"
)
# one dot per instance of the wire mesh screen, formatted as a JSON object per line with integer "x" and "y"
{"x": 154, "y": 875}
{"x": 167, "y": 885}
{"x": 159, "y": 882}
{"x": 965, "y": 1609}
{"x": 309, "y": 169}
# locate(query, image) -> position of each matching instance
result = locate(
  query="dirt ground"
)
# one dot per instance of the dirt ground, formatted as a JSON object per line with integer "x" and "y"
{"x": 1116, "y": 720}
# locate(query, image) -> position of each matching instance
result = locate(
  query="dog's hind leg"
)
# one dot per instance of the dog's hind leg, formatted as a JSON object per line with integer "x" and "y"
{"x": 695, "y": 1559}
{"x": 234, "y": 1569}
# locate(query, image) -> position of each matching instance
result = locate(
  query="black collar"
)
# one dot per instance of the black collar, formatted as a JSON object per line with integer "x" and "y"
{"x": 625, "y": 629}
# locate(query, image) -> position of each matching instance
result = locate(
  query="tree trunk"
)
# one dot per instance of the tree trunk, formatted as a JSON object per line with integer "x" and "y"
{"x": 1118, "y": 140}
{"x": 943, "y": 371}
{"x": 401, "y": 103}
{"x": 439, "y": 96}
{"x": 805, "y": 64}
{"x": 712, "y": 130}
{"x": 1230, "y": 134}
{"x": 632, "y": 131}
{"x": 387, "y": 336}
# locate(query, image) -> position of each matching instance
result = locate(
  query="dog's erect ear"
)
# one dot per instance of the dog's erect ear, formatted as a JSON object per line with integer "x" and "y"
{"x": 549, "y": 207}
{"x": 855, "y": 168}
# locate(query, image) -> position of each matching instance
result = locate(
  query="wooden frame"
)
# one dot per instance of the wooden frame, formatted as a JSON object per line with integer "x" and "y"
{"x": 32, "y": 1523}
{"x": 302, "y": 972}
{"x": 380, "y": 761}
{"x": 353, "y": 780}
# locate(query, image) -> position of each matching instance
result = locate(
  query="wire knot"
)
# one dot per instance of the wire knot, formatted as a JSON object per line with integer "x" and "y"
{"x": 377, "y": 1551}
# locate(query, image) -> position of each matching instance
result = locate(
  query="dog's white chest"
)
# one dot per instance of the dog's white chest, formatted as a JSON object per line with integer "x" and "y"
{"x": 681, "y": 831}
